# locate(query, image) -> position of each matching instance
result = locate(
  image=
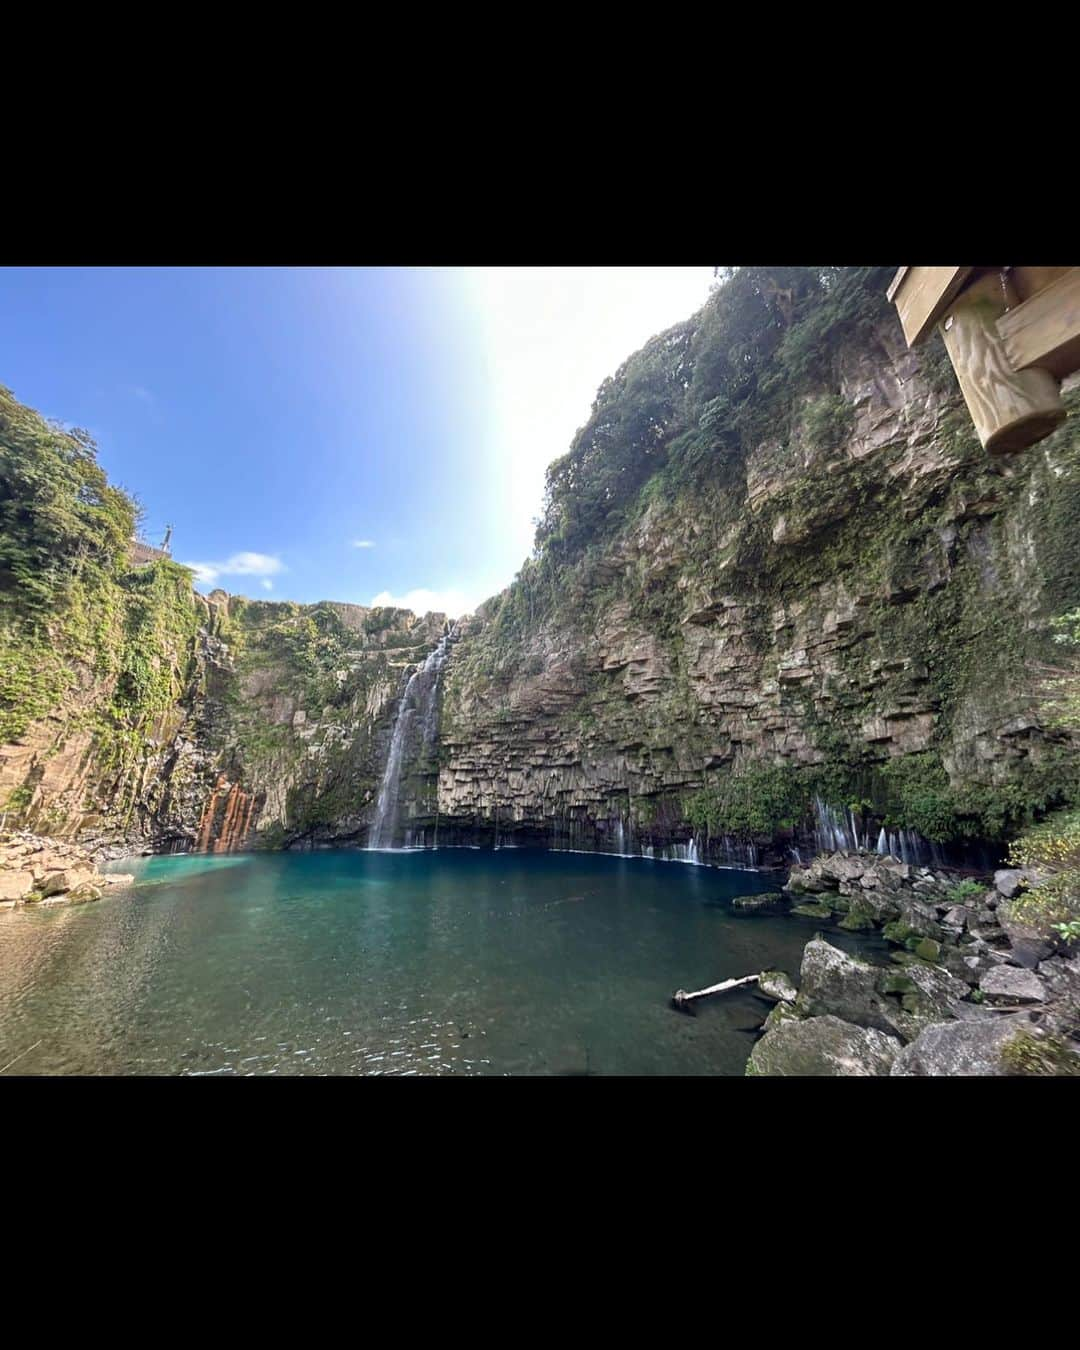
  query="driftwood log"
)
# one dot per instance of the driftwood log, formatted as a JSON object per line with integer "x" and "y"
{"x": 684, "y": 1002}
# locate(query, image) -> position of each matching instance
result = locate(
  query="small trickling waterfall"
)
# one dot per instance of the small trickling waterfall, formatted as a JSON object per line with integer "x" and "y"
{"x": 418, "y": 707}
{"x": 831, "y": 830}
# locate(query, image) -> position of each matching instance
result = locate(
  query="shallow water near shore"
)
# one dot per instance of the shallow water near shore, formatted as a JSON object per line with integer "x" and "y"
{"x": 447, "y": 962}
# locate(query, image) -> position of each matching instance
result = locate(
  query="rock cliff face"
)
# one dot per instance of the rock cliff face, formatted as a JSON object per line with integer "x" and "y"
{"x": 818, "y": 602}
{"x": 747, "y": 592}
{"x": 277, "y": 733}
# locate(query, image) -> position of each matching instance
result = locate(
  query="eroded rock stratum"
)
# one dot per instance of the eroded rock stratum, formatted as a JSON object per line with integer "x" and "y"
{"x": 748, "y": 590}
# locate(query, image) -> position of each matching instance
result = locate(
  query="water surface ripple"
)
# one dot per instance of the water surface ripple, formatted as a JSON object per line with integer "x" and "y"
{"x": 348, "y": 962}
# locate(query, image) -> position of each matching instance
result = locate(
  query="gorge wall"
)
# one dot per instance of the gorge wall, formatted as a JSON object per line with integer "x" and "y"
{"x": 775, "y": 565}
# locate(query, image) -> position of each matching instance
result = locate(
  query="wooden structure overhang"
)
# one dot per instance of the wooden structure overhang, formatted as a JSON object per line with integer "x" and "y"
{"x": 1012, "y": 334}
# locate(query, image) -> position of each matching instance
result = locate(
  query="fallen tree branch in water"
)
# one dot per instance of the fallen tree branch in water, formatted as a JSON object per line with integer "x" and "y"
{"x": 682, "y": 1000}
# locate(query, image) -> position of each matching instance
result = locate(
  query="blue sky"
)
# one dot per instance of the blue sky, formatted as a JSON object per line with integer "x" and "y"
{"x": 372, "y": 435}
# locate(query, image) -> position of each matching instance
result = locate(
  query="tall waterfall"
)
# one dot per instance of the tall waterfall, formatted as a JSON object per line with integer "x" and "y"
{"x": 418, "y": 707}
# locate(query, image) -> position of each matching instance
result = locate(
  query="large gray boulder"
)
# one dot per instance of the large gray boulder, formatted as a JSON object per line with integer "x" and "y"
{"x": 1027, "y": 945}
{"x": 822, "y": 1047}
{"x": 1062, "y": 977}
{"x": 968, "y": 1048}
{"x": 1008, "y": 984}
{"x": 898, "y": 1002}
{"x": 1009, "y": 881}
{"x": 831, "y": 982}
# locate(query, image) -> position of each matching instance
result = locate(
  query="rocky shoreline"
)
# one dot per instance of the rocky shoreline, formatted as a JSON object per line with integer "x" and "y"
{"x": 970, "y": 989}
{"x": 35, "y": 870}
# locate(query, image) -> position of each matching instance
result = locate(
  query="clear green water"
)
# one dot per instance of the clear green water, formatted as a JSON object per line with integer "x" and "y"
{"x": 451, "y": 962}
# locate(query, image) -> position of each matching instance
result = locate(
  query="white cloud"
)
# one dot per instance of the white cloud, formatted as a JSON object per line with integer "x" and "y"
{"x": 363, "y": 543}
{"x": 422, "y": 601}
{"x": 266, "y": 584}
{"x": 238, "y": 565}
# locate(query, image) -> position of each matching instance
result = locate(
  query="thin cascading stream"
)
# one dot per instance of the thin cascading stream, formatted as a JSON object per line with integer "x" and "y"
{"x": 418, "y": 707}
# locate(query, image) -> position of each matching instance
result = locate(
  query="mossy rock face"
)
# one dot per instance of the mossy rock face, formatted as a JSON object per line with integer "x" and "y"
{"x": 813, "y": 909}
{"x": 822, "y": 1047}
{"x": 898, "y": 931}
{"x": 85, "y": 893}
{"x": 1033, "y": 1055}
{"x": 898, "y": 984}
{"x": 783, "y": 1012}
{"x": 927, "y": 949}
{"x": 752, "y": 904}
{"x": 858, "y": 918}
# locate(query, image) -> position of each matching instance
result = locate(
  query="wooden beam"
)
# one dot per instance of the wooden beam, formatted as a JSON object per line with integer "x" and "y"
{"x": 1011, "y": 408}
{"x": 1027, "y": 280}
{"x": 894, "y": 285}
{"x": 1044, "y": 332}
{"x": 923, "y": 294}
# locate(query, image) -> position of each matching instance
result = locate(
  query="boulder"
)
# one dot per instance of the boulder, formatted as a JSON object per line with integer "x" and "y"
{"x": 15, "y": 885}
{"x": 859, "y": 916}
{"x": 898, "y": 1002}
{"x": 1008, "y": 880}
{"x": 970, "y": 963}
{"x": 831, "y": 982}
{"x": 81, "y": 895}
{"x": 920, "y": 918}
{"x": 752, "y": 904}
{"x": 778, "y": 985}
{"x": 968, "y": 1048}
{"x": 1009, "y": 984}
{"x": 1062, "y": 977}
{"x": 811, "y": 909}
{"x": 1027, "y": 945}
{"x": 822, "y": 1047}
{"x": 56, "y": 883}
{"x": 934, "y": 995}
{"x": 782, "y": 1012}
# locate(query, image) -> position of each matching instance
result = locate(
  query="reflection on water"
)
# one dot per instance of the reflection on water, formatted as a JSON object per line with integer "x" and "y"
{"x": 452, "y": 962}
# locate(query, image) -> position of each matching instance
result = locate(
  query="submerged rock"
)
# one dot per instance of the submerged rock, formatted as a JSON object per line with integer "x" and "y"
{"x": 822, "y": 1047}
{"x": 811, "y": 909}
{"x": 771, "y": 900}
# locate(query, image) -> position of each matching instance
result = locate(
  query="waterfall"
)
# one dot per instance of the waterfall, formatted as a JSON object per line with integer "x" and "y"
{"x": 419, "y": 705}
{"x": 883, "y": 841}
{"x": 620, "y": 836}
{"x": 831, "y": 831}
